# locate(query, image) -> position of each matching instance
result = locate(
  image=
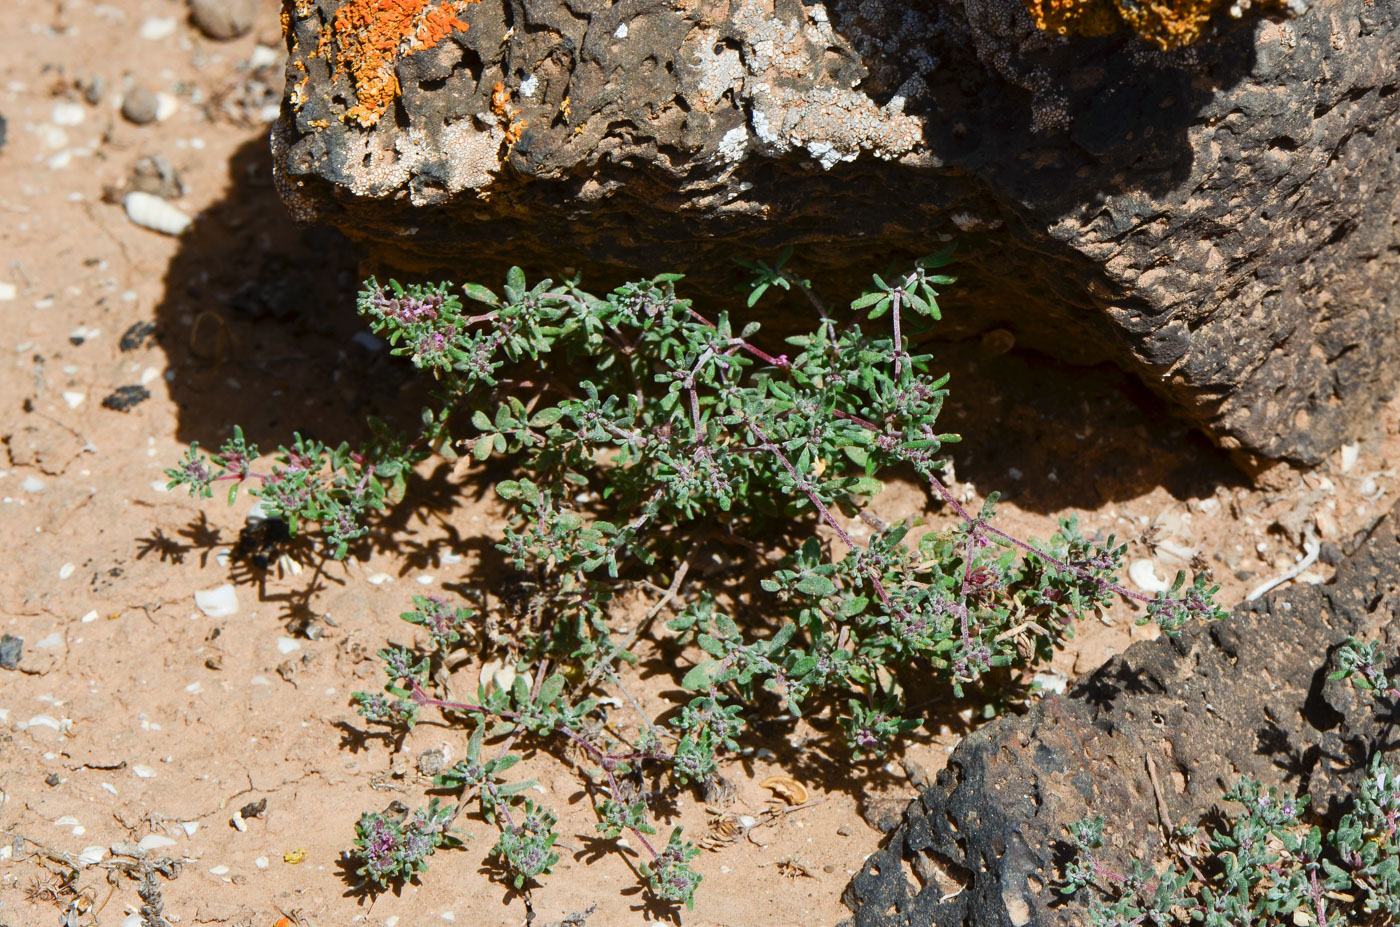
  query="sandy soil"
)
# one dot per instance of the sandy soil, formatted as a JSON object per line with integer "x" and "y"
{"x": 134, "y": 716}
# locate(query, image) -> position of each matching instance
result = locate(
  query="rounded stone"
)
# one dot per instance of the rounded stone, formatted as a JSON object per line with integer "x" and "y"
{"x": 224, "y": 19}
{"x": 140, "y": 105}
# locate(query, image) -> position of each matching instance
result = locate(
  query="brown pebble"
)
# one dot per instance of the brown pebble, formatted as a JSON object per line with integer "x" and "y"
{"x": 140, "y": 105}
{"x": 224, "y": 19}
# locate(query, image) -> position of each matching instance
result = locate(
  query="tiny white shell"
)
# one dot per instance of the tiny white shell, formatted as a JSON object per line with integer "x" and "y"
{"x": 152, "y": 212}
{"x": 1143, "y": 573}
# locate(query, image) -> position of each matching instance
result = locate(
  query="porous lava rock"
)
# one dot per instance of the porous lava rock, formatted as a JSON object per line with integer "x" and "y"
{"x": 1222, "y": 220}
{"x": 1247, "y": 696}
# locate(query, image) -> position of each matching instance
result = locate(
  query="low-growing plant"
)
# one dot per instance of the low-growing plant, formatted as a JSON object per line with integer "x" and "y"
{"x": 1270, "y": 863}
{"x": 640, "y": 433}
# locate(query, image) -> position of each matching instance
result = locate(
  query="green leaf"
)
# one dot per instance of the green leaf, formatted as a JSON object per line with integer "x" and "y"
{"x": 480, "y": 293}
{"x": 815, "y": 585}
{"x": 700, "y": 677}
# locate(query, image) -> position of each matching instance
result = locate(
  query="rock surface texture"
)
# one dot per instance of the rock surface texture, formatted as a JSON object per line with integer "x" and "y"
{"x": 1223, "y": 220}
{"x": 1249, "y": 696}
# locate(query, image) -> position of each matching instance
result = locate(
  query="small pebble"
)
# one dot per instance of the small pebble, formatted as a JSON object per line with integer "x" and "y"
{"x": 66, "y": 570}
{"x": 144, "y": 772}
{"x": 140, "y": 106}
{"x": 11, "y": 649}
{"x": 219, "y": 602}
{"x": 90, "y": 617}
{"x": 260, "y": 862}
{"x": 155, "y": 842}
{"x": 157, "y": 28}
{"x": 189, "y": 827}
{"x": 68, "y": 114}
{"x": 224, "y": 19}
{"x": 238, "y": 823}
{"x": 92, "y": 855}
{"x": 378, "y": 579}
{"x": 74, "y": 399}
{"x": 1143, "y": 573}
{"x": 32, "y": 484}
{"x": 50, "y": 642}
{"x": 219, "y": 870}
{"x": 286, "y": 645}
{"x": 8, "y": 292}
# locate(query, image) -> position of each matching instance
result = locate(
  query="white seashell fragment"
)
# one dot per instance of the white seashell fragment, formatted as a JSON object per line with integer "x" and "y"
{"x": 143, "y": 772}
{"x": 219, "y": 602}
{"x": 157, "y": 28}
{"x": 91, "y": 856}
{"x": 286, "y": 645}
{"x": 1143, "y": 573}
{"x": 151, "y": 212}
{"x": 1350, "y": 452}
{"x": 155, "y": 842}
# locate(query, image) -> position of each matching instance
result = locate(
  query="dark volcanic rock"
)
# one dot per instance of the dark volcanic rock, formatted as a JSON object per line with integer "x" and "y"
{"x": 1223, "y": 221}
{"x": 1249, "y": 696}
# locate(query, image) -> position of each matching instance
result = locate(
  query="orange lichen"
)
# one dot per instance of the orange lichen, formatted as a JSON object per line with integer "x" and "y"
{"x": 1165, "y": 23}
{"x": 369, "y": 36}
{"x": 500, "y": 105}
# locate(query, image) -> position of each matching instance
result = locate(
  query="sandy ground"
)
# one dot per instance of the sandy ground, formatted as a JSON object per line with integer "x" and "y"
{"x": 134, "y": 717}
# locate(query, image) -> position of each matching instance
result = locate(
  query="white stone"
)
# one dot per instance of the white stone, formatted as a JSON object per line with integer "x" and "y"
{"x": 143, "y": 772}
{"x": 286, "y": 645}
{"x": 32, "y": 484}
{"x": 189, "y": 827}
{"x": 263, "y": 57}
{"x": 378, "y": 579}
{"x": 166, "y": 106}
{"x": 219, "y": 870}
{"x": 158, "y": 27}
{"x": 151, "y": 212}
{"x": 8, "y": 292}
{"x": 1350, "y": 452}
{"x": 155, "y": 842}
{"x": 68, "y": 114}
{"x": 218, "y": 602}
{"x": 92, "y": 855}
{"x": 51, "y": 641}
{"x": 260, "y": 862}
{"x": 90, "y": 617}
{"x": 66, "y": 570}
{"x": 1143, "y": 573}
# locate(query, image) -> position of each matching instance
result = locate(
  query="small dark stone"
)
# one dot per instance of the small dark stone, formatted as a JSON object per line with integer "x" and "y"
{"x": 52, "y": 779}
{"x": 254, "y": 809}
{"x": 2, "y": 131}
{"x": 11, "y": 648}
{"x": 1330, "y": 554}
{"x": 883, "y": 814}
{"x": 140, "y": 105}
{"x": 917, "y": 773}
{"x": 137, "y": 336}
{"x": 92, "y": 89}
{"x": 126, "y": 398}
